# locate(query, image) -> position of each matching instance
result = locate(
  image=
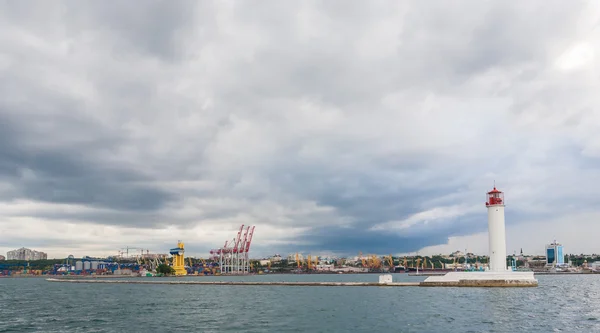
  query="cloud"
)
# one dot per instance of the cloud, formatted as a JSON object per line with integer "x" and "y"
{"x": 333, "y": 127}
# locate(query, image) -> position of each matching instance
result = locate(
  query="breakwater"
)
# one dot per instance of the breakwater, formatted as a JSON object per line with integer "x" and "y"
{"x": 461, "y": 283}
{"x": 244, "y": 283}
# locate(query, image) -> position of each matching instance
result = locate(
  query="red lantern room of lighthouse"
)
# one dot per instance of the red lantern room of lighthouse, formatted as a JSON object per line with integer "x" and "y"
{"x": 495, "y": 197}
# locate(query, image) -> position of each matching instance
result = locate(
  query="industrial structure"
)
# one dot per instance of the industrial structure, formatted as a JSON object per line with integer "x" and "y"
{"x": 89, "y": 265}
{"x": 178, "y": 259}
{"x": 233, "y": 256}
{"x": 26, "y": 254}
{"x": 137, "y": 253}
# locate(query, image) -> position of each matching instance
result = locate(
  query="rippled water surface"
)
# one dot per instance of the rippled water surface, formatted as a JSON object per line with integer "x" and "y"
{"x": 559, "y": 304}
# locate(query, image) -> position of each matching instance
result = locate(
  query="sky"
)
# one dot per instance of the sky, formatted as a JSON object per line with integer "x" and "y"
{"x": 333, "y": 127}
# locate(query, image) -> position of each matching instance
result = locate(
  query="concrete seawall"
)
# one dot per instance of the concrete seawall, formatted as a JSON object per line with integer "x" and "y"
{"x": 460, "y": 283}
{"x": 245, "y": 283}
{"x": 480, "y": 283}
{"x": 482, "y": 279}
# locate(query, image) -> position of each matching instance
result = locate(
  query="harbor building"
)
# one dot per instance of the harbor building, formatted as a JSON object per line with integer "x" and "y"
{"x": 554, "y": 254}
{"x": 26, "y": 254}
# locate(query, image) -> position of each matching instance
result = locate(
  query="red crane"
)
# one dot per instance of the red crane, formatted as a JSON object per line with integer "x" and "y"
{"x": 243, "y": 244}
{"x": 237, "y": 240}
{"x": 249, "y": 240}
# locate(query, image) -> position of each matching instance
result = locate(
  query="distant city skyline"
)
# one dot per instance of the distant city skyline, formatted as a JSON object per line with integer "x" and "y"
{"x": 423, "y": 252}
{"x": 333, "y": 127}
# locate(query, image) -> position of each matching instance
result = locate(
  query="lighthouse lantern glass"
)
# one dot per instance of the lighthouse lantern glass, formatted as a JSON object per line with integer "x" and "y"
{"x": 495, "y": 197}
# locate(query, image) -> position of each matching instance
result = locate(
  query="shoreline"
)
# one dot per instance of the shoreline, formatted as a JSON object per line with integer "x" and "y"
{"x": 249, "y": 283}
{"x": 424, "y": 274}
{"x": 460, "y": 283}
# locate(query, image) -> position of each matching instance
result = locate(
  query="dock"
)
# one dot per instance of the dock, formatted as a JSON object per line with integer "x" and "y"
{"x": 245, "y": 283}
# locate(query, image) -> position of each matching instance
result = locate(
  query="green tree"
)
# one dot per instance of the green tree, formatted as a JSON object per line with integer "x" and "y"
{"x": 165, "y": 269}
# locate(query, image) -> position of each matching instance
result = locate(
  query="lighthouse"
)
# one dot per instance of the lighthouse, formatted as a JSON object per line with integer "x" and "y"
{"x": 496, "y": 230}
{"x": 497, "y": 274}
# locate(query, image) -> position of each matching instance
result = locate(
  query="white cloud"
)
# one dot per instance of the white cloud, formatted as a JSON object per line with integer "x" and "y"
{"x": 434, "y": 215}
{"x": 532, "y": 236}
{"x": 382, "y": 120}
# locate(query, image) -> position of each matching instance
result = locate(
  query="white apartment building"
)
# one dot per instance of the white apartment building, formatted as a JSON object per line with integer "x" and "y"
{"x": 26, "y": 254}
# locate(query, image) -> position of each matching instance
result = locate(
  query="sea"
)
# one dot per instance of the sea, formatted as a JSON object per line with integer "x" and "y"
{"x": 561, "y": 303}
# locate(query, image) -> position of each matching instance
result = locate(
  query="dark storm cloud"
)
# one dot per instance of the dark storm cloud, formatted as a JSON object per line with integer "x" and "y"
{"x": 350, "y": 241}
{"x": 105, "y": 105}
{"x": 367, "y": 199}
{"x": 68, "y": 174}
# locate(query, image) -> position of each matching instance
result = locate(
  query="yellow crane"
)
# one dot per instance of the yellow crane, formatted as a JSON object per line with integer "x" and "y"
{"x": 309, "y": 261}
{"x": 362, "y": 259}
{"x": 375, "y": 262}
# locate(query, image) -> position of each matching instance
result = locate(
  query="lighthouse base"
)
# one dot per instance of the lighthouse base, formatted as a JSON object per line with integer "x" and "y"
{"x": 482, "y": 279}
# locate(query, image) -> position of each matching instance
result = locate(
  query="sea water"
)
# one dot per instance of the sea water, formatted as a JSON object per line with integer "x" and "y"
{"x": 568, "y": 303}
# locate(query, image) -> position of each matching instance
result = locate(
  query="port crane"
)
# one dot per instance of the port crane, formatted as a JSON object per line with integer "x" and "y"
{"x": 391, "y": 263}
{"x": 233, "y": 256}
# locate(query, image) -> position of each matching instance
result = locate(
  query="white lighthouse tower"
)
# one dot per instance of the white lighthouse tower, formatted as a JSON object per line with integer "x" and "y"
{"x": 496, "y": 230}
{"x": 497, "y": 274}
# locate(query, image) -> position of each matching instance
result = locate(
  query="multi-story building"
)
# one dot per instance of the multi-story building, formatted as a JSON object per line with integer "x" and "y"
{"x": 26, "y": 254}
{"x": 2, "y": 258}
{"x": 554, "y": 254}
{"x": 275, "y": 258}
